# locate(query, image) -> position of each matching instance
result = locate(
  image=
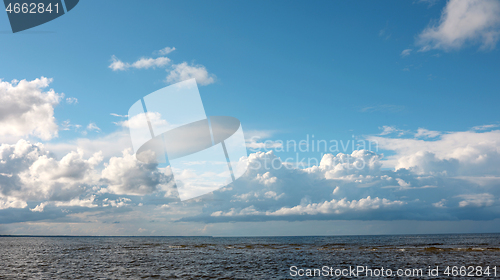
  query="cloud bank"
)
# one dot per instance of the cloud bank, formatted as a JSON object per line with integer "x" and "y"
{"x": 453, "y": 176}
{"x": 429, "y": 175}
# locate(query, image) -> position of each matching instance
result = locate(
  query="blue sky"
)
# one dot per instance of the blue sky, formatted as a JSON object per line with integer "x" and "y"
{"x": 418, "y": 77}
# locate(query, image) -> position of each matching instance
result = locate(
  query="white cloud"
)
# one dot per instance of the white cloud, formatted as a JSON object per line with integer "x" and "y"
{"x": 436, "y": 171}
{"x": 40, "y": 207}
{"x": 485, "y": 127}
{"x": 386, "y": 130}
{"x": 143, "y": 63}
{"x": 273, "y": 195}
{"x": 67, "y": 125}
{"x": 248, "y": 211}
{"x": 467, "y": 153}
{"x": 121, "y": 116}
{"x": 344, "y": 165}
{"x": 271, "y": 190}
{"x": 142, "y": 120}
{"x": 71, "y": 100}
{"x": 183, "y": 71}
{"x": 440, "y": 204}
{"x": 31, "y": 173}
{"x": 327, "y": 207}
{"x": 476, "y": 200}
{"x": 146, "y": 63}
{"x": 120, "y": 202}
{"x": 110, "y": 145}
{"x": 28, "y": 172}
{"x": 166, "y": 51}
{"x": 464, "y": 21}
{"x": 422, "y": 132}
{"x": 25, "y": 109}
{"x": 263, "y": 193}
{"x": 117, "y": 65}
{"x": 336, "y": 190}
{"x": 11, "y": 202}
{"x": 266, "y": 178}
{"x": 406, "y": 52}
{"x": 176, "y": 73}
{"x": 402, "y": 183}
{"x": 93, "y": 127}
{"x": 337, "y": 206}
{"x": 48, "y": 178}
{"x": 428, "y": 180}
{"x": 75, "y": 202}
{"x": 126, "y": 175}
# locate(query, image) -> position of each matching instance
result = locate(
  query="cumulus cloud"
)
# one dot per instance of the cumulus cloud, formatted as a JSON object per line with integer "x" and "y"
{"x": 30, "y": 173}
{"x": 464, "y": 22}
{"x": 52, "y": 179}
{"x": 467, "y": 153}
{"x": 126, "y": 175}
{"x": 26, "y": 109}
{"x": 11, "y": 202}
{"x": 183, "y": 71}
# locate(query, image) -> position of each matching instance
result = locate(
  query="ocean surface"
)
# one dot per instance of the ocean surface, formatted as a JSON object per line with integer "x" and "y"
{"x": 250, "y": 257}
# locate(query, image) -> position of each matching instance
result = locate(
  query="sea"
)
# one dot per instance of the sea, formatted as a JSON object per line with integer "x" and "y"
{"x": 447, "y": 256}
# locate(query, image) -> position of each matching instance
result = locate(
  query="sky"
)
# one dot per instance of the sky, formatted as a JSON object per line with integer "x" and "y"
{"x": 403, "y": 93}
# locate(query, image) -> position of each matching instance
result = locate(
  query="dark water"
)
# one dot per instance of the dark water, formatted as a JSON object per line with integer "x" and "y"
{"x": 240, "y": 258}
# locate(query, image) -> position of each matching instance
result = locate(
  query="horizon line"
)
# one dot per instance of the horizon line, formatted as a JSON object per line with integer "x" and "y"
{"x": 235, "y": 236}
